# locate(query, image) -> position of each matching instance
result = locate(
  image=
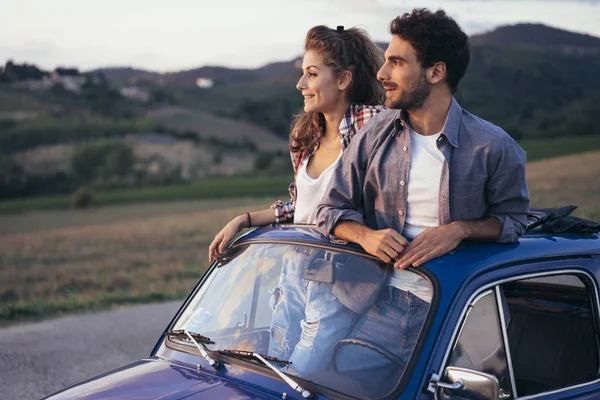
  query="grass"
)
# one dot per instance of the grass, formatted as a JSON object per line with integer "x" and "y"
{"x": 51, "y": 271}
{"x": 256, "y": 185}
{"x": 210, "y": 125}
{"x": 567, "y": 180}
{"x": 207, "y": 189}
{"x": 539, "y": 149}
{"x": 38, "y": 221}
{"x": 69, "y": 261}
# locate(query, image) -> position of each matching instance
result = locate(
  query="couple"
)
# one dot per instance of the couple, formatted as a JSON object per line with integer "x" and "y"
{"x": 413, "y": 183}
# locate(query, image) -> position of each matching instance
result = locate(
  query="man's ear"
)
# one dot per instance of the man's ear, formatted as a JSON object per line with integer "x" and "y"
{"x": 344, "y": 80}
{"x": 437, "y": 72}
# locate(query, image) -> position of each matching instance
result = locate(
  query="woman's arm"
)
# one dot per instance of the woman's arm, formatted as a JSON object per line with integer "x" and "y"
{"x": 255, "y": 218}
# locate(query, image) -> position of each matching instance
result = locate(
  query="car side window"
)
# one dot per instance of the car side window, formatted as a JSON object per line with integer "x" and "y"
{"x": 480, "y": 345}
{"x": 552, "y": 333}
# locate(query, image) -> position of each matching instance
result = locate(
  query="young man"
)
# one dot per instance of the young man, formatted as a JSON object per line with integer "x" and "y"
{"x": 426, "y": 170}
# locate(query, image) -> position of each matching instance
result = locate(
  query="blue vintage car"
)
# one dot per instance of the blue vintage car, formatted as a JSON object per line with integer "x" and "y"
{"x": 503, "y": 321}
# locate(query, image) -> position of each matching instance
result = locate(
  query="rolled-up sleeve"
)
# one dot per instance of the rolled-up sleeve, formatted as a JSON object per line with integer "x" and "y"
{"x": 507, "y": 192}
{"x": 342, "y": 200}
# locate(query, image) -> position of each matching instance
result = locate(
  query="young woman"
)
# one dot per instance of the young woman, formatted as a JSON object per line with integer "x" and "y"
{"x": 341, "y": 93}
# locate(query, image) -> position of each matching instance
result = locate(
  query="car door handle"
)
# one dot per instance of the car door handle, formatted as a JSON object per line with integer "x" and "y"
{"x": 453, "y": 386}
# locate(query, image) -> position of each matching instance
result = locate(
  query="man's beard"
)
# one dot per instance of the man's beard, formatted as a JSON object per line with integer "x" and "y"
{"x": 413, "y": 99}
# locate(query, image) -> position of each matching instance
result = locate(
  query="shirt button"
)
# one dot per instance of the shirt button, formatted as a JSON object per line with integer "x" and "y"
{"x": 405, "y": 148}
{"x": 401, "y": 212}
{"x": 401, "y": 183}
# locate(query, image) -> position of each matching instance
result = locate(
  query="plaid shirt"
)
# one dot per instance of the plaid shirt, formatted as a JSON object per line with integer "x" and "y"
{"x": 356, "y": 116}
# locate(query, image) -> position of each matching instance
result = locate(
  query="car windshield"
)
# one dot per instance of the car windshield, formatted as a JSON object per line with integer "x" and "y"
{"x": 343, "y": 319}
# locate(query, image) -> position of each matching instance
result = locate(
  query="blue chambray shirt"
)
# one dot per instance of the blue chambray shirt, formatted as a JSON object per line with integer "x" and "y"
{"x": 483, "y": 176}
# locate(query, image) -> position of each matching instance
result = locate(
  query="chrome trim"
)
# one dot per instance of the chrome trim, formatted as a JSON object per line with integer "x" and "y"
{"x": 482, "y": 295}
{"x": 307, "y": 243}
{"x": 505, "y": 340}
{"x": 527, "y": 276}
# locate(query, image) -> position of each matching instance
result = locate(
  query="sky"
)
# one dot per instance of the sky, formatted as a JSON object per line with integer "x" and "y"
{"x": 176, "y": 35}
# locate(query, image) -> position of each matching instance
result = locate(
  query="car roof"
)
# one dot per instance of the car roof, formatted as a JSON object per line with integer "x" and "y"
{"x": 470, "y": 256}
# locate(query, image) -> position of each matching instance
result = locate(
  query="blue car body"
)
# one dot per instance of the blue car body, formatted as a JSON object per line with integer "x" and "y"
{"x": 457, "y": 277}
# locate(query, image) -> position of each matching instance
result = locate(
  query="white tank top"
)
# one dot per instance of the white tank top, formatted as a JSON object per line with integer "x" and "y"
{"x": 309, "y": 192}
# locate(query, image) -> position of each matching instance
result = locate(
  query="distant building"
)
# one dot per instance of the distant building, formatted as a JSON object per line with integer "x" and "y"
{"x": 72, "y": 83}
{"x": 205, "y": 83}
{"x": 135, "y": 93}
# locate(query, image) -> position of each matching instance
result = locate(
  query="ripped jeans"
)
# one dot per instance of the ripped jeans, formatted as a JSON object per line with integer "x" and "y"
{"x": 308, "y": 319}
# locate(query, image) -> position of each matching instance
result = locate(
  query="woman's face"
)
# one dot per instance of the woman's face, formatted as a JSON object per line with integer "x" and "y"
{"x": 322, "y": 91}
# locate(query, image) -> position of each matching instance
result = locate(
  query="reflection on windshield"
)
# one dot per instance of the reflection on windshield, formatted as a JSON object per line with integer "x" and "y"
{"x": 341, "y": 319}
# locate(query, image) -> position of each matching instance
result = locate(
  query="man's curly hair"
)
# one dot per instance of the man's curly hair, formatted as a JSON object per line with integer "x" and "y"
{"x": 436, "y": 38}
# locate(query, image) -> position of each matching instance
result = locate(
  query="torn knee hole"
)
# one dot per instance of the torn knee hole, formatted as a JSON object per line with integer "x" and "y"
{"x": 309, "y": 331}
{"x": 276, "y": 297}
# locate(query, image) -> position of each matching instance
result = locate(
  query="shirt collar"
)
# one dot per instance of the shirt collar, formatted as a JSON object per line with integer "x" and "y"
{"x": 347, "y": 122}
{"x": 451, "y": 126}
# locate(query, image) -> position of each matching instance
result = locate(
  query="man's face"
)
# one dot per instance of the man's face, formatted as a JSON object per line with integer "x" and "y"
{"x": 404, "y": 80}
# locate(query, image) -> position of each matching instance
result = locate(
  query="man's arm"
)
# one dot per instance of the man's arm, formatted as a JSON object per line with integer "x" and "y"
{"x": 507, "y": 192}
{"x": 342, "y": 200}
{"x": 439, "y": 240}
{"x": 385, "y": 244}
{"x": 508, "y": 199}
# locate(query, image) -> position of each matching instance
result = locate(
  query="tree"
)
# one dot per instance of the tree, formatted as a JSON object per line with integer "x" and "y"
{"x": 13, "y": 180}
{"x": 119, "y": 161}
{"x": 102, "y": 159}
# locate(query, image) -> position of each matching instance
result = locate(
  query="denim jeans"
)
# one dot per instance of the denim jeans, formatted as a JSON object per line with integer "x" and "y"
{"x": 308, "y": 319}
{"x": 393, "y": 325}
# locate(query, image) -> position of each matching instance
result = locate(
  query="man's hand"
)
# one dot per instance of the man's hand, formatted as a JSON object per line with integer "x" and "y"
{"x": 429, "y": 244}
{"x": 385, "y": 244}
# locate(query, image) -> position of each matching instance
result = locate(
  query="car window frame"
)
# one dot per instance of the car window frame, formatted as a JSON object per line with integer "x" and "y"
{"x": 540, "y": 268}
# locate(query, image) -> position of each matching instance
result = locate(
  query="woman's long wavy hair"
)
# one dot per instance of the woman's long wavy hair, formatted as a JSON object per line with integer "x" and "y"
{"x": 342, "y": 50}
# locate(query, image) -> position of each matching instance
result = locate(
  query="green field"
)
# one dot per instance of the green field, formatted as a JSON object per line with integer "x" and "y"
{"x": 540, "y": 149}
{"x": 208, "y": 125}
{"x": 64, "y": 261}
{"x": 256, "y": 185}
{"x": 61, "y": 261}
{"x": 208, "y": 189}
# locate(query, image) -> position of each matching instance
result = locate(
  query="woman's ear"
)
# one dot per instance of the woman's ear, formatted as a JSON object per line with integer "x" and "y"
{"x": 344, "y": 80}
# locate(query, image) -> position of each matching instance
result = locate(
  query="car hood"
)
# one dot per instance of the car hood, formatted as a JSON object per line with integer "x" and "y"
{"x": 159, "y": 379}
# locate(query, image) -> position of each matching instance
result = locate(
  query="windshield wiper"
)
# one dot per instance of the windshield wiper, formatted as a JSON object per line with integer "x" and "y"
{"x": 248, "y": 355}
{"x": 200, "y": 342}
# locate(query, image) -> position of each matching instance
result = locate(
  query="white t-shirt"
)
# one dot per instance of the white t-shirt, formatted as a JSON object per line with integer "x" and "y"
{"x": 309, "y": 192}
{"x": 426, "y": 162}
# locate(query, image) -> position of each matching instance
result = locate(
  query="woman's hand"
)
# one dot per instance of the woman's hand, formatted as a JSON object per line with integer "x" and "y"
{"x": 218, "y": 244}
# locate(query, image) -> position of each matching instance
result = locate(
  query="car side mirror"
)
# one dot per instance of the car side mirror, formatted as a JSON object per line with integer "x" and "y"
{"x": 467, "y": 384}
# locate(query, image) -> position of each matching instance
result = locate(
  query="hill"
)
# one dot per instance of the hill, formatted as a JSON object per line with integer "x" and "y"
{"x": 538, "y": 35}
{"x": 519, "y": 35}
{"x": 218, "y": 74}
{"x": 125, "y": 75}
{"x": 223, "y": 75}
{"x": 534, "y": 81}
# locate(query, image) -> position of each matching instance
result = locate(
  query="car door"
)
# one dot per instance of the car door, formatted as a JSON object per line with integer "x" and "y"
{"x": 528, "y": 331}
